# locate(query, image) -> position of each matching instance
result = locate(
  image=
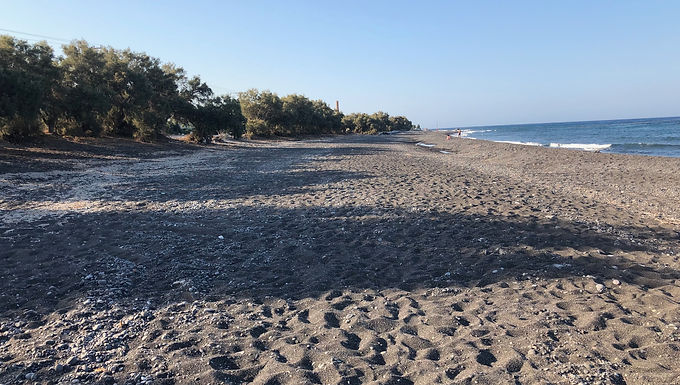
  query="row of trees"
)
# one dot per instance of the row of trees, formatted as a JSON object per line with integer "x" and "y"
{"x": 95, "y": 91}
{"x": 267, "y": 114}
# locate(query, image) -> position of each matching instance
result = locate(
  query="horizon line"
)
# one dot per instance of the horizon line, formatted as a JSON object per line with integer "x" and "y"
{"x": 556, "y": 122}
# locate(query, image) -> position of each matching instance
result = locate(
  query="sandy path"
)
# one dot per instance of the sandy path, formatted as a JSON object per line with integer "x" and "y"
{"x": 343, "y": 260}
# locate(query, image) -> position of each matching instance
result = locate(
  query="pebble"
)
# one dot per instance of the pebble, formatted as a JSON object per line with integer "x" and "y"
{"x": 599, "y": 287}
{"x": 72, "y": 361}
{"x": 30, "y": 376}
{"x": 616, "y": 282}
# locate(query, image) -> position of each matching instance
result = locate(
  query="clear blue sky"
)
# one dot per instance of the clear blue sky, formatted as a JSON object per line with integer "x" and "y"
{"x": 443, "y": 64}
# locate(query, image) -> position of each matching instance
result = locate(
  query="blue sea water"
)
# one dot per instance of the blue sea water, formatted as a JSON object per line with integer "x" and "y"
{"x": 652, "y": 136}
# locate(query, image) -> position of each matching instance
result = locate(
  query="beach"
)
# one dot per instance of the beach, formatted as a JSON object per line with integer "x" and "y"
{"x": 387, "y": 259}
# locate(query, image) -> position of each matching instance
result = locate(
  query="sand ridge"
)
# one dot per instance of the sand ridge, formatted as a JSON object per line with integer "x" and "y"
{"x": 357, "y": 259}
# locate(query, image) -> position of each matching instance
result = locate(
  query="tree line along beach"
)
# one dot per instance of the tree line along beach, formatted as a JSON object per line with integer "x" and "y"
{"x": 343, "y": 259}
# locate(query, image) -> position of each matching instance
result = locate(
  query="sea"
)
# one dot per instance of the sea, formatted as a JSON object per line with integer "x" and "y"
{"x": 650, "y": 136}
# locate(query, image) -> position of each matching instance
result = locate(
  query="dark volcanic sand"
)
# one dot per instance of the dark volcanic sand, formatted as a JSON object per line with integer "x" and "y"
{"x": 358, "y": 259}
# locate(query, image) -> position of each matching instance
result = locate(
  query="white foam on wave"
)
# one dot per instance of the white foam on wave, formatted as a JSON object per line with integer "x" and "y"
{"x": 424, "y": 144}
{"x": 522, "y": 143}
{"x": 581, "y": 146}
{"x": 471, "y": 131}
{"x": 465, "y": 133}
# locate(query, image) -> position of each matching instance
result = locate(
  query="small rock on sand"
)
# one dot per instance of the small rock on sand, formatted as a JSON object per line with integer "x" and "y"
{"x": 600, "y": 288}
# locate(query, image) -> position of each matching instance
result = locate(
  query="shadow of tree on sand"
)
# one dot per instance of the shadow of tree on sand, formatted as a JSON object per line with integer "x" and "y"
{"x": 54, "y": 153}
{"x": 295, "y": 253}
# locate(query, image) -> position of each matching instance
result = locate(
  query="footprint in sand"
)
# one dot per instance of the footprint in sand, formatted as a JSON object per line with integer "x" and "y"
{"x": 375, "y": 347}
{"x": 462, "y": 321}
{"x": 396, "y": 380}
{"x": 514, "y": 364}
{"x": 258, "y": 331}
{"x": 352, "y": 341}
{"x": 342, "y": 304}
{"x": 447, "y": 330}
{"x": 303, "y": 316}
{"x": 333, "y": 294}
{"x": 376, "y": 359}
{"x": 378, "y": 344}
{"x": 485, "y": 357}
{"x": 305, "y": 363}
{"x": 432, "y": 354}
{"x": 222, "y": 363}
{"x": 331, "y": 320}
{"x": 452, "y": 373}
{"x": 380, "y": 325}
{"x": 179, "y": 345}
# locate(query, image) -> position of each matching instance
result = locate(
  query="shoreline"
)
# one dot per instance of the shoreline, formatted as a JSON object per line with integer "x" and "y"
{"x": 589, "y": 147}
{"x": 614, "y": 136}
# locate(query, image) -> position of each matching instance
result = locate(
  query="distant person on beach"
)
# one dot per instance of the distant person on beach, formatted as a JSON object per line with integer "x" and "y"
{"x": 448, "y": 137}
{"x": 459, "y": 132}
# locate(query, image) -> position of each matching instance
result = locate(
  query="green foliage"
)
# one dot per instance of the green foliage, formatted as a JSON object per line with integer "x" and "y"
{"x": 302, "y": 116}
{"x": 400, "y": 123}
{"x": 298, "y": 115}
{"x": 207, "y": 114}
{"x": 325, "y": 119}
{"x": 265, "y": 110}
{"x": 26, "y": 77}
{"x": 121, "y": 93}
{"x": 103, "y": 91}
{"x": 269, "y": 115}
{"x": 84, "y": 95}
{"x": 220, "y": 114}
{"x": 256, "y": 127}
{"x": 361, "y": 123}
